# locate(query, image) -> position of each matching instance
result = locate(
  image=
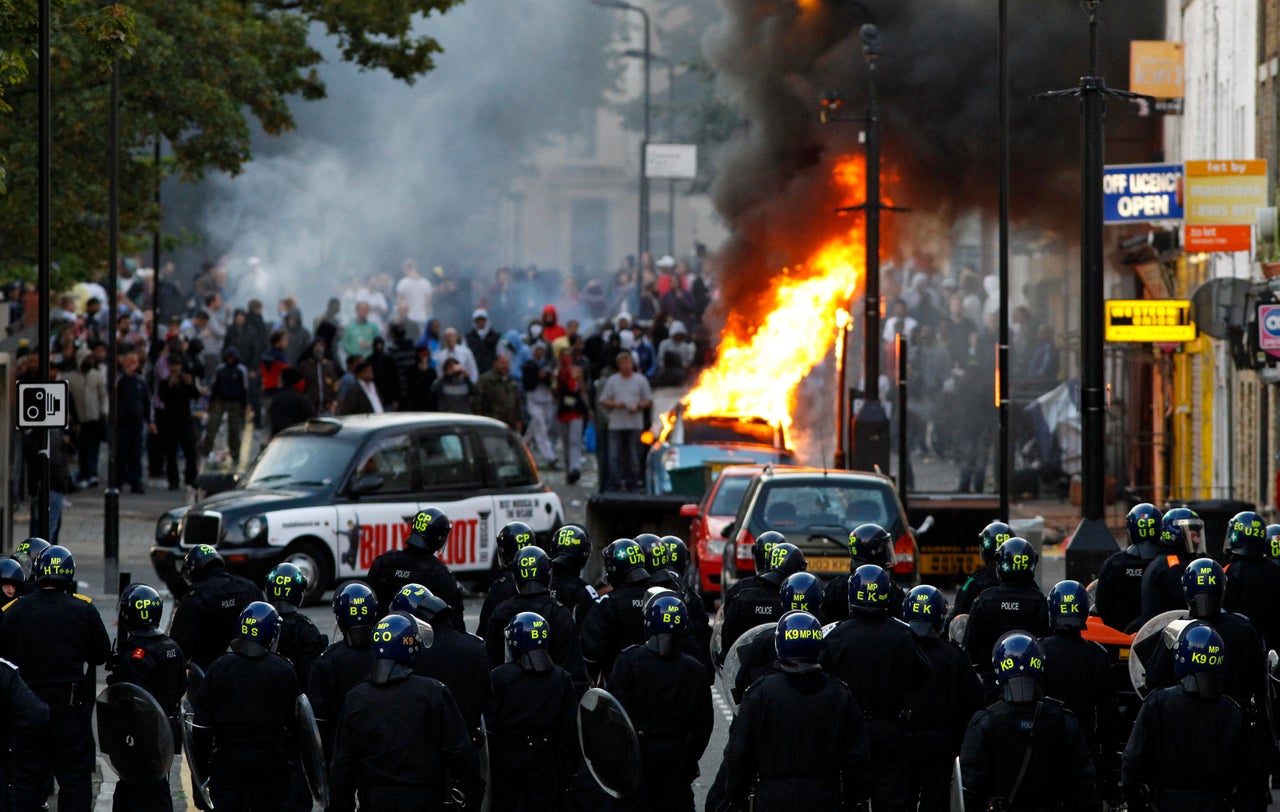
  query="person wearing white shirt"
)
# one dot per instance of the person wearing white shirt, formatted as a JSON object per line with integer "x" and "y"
{"x": 452, "y": 348}
{"x": 414, "y": 291}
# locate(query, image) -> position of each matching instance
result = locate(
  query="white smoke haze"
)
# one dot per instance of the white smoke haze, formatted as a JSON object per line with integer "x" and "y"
{"x": 380, "y": 171}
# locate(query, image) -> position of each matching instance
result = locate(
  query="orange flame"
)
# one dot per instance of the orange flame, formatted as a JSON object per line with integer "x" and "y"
{"x": 758, "y": 371}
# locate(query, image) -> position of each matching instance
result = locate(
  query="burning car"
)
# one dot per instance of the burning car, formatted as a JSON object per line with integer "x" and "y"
{"x": 691, "y": 449}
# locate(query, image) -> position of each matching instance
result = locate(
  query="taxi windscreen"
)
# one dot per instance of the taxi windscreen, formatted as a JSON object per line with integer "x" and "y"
{"x": 299, "y": 460}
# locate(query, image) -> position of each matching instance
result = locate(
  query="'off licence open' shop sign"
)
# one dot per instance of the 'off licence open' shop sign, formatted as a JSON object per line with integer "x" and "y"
{"x": 1140, "y": 193}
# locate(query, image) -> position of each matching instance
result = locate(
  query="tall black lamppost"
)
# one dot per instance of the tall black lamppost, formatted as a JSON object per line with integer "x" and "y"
{"x": 1092, "y": 542}
{"x": 647, "y": 55}
{"x": 669, "y": 127}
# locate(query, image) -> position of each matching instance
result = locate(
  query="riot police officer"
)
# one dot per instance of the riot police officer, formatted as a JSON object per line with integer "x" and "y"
{"x": 667, "y": 557}
{"x": 55, "y": 637}
{"x": 1077, "y": 673}
{"x": 22, "y": 713}
{"x": 761, "y": 602}
{"x": 1026, "y": 751}
{"x": 532, "y": 721}
{"x": 148, "y": 658}
{"x": 665, "y": 692}
{"x": 13, "y": 581}
{"x": 455, "y": 659}
{"x": 301, "y": 643}
{"x": 760, "y": 557}
{"x": 940, "y": 709}
{"x": 877, "y": 656}
{"x": 417, "y": 563}
{"x": 401, "y": 742}
{"x": 533, "y": 594}
{"x": 801, "y": 592}
{"x": 1253, "y": 576}
{"x": 1181, "y": 542}
{"x": 26, "y": 553}
{"x": 617, "y": 621}
{"x": 984, "y": 577}
{"x": 345, "y": 663}
{"x": 798, "y": 741}
{"x": 1014, "y": 603}
{"x": 244, "y": 709}
{"x": 207, "y": 617}
{"x": 1190, "y": 740}
{"x": 868, "y": 544}
{"x": 511, "y": 538}
{"x": 570, "y": 550}
{"x": 1119, "y": 590}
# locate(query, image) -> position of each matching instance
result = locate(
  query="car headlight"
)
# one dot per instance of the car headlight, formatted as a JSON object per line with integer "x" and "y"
{"x": 167, "y": 527}
{"x": 255, "y": 526}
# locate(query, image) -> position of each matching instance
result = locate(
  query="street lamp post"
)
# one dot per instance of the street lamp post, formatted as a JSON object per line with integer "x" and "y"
{"x": 669, "y": 127}
{"x": 647, "y": 55}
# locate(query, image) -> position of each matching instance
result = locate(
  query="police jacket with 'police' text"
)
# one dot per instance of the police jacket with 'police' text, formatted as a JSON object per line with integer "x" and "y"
{"x": 999, "y": 610}
{"x": 880, "y": 660}
{"x": 1119, "y": 595}
{"x": 208, "y": 616}
{"x": 393, "y": 569}
{"x": 616, "y": 622}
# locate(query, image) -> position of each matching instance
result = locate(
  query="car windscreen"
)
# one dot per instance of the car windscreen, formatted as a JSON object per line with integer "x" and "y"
{"x": 729, "y": 496}
{"x": 796, "y": 507}
{"x": 728, "y": 430}
{"x": 300, "y": 460}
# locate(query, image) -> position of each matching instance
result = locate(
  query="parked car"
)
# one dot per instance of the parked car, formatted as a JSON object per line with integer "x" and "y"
{"x": 334, "y": 493}
{"x": 680, "y": 455}
{"x": 709, "y": 519}
{"x": 816, "y": 509}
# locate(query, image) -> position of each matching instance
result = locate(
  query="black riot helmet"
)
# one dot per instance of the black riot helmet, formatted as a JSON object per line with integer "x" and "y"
{"x": 532, "y": 571}
{"x": 1016, "y": 561}
{"x": 1068, "y": 606}
{"x": 624, "y": 563}
{"x": 199, "y": 561}
{"x": 785, "y": 560}
{"x": 665, "y": 619}
{"x": 925, "y": 611}
{"x": 1143, "y": 525}
{"x": 869, "y": 588}
{"x": 258, "y": 631}
{"x": 571, "y": 548}
{"x": 355, "y": 607}
{"x": 1199, "y": 659}
{"x": 286, "y": 585}
{"x": 511, "y": 538}
{"x": 1182, "y": 531}
{"x": 1018, "y": 662}
{"x": 1203, "y": 584}
{"x": 1273, "y": 542}
{"x": 762, "y": 545}
{"x": 677, "y": 554}
{"x": 55, "y": 566}
{"x": 871, "y": 544}
{"x": 140, "y": 608}
{"x": 429, "y": 530}
{"x": 1246, "y": 536}
{"x": 991, "y": 537}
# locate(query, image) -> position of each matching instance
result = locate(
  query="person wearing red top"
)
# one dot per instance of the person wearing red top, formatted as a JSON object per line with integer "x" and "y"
{"x": 573, "y": 405}
{"x": 551, "y": 329}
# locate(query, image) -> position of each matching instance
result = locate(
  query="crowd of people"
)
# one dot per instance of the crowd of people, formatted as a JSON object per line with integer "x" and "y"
{"x": 199, "y": 368}
{"x": 851, "y": 694}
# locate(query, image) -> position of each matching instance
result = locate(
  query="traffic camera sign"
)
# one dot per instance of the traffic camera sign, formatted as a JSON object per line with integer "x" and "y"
{"x": 43, "y": 405}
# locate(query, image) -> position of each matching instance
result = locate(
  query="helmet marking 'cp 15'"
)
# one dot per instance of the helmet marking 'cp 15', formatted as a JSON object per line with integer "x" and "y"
{"x": 511, "y": 538}
{"x": 677, "y": 553}
{"x": 429, "y": 530}
{"x": 572, "y": 547}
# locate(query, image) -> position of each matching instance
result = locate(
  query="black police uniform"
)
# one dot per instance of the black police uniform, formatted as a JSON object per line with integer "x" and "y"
{"x": 393, "y": 569}
{"x": 301, "y": 643}
{"x": 1244, "y": 674}
{"x": 339, "y": 669}
{"x": 982, "y": 579}
{"x": 571, "y": 592}
{"x": 752, "y": 606}
{"x": 208, "y": 616}
{"x": 939, "y": 713}
{"x": 22, "y": 713}
{"x": 669, "y": 702}
{"x": 56, "y": 639}
{"x": 1077, "y": 673}
{"x": 1118, "y": 599}
{"x": 616, "y": 622}
{"x": 835, "y": 596}
{"x": 880, "y": 660}
{"x": 999, "y": 610}
{"x": 244, "y": 708}
{"x": 1162, "y": 585}
{"x": 532, "y": 722}
{"x": 1044, "y": 735}
{"x": 152, "y": 661}
{"x": 459, "y": 662}
{"x": 799, "y": 742}
{"x": 1253, "y": 590}
{"x": 1191, "y": 752}
{"x": 401, "y": 745}
{"x": 759, "y": 658}
{"x": 565, "y": 648}
{"x": 502, "y": 588}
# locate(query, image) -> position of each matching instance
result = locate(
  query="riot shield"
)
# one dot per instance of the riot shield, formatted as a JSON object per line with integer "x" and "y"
{"x": 24, "y": 561}
{"x": 1153, "y": 641}
{"x": 733, "y": 661}
{"x": 134, "y": 733}
{"x": 959, "y": 625}
{"x": 957, "y": 787}
{"x": 306, "y": 741}
{"x": 717, "y": 623}
{"x": 195, "y": 676}
{"x": 199, "y": 782}
{"x": 609, "y": 743}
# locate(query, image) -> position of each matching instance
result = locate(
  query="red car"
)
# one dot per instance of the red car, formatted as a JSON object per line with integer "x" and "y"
{"x": 709, "y": 520}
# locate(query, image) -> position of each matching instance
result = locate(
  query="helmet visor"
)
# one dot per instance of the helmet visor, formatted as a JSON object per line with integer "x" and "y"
{"x": 1192, "y": 534}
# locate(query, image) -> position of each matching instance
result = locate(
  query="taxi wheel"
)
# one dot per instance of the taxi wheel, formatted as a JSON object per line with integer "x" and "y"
{"x": 314, "y": 562}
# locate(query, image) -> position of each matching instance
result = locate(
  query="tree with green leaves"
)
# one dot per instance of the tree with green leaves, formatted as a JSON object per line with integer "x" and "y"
{"x": 191, "y": 74}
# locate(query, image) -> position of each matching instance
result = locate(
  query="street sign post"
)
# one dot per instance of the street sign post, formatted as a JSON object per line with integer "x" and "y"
{"x": 678, "y": 161}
